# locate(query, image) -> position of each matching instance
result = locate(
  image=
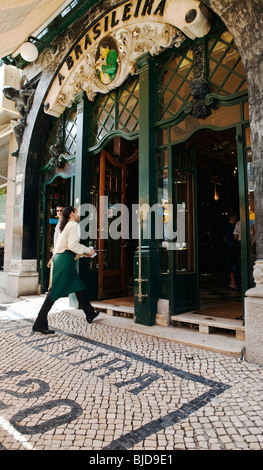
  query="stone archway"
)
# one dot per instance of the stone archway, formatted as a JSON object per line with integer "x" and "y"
{"x": 125, "y": 31}
{"x": 247, "y": 33}
{"x": 243, "y": 19}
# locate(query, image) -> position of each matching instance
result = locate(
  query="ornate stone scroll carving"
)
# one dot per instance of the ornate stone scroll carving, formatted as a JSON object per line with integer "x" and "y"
{"x": 57, "y": 148}
{"x": 23, "y": 101}
{"x": 131, "y": 42}
{"x": 258, "y": 273}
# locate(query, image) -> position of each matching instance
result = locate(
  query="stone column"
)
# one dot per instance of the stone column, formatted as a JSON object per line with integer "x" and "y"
{"x": 254, "y": 296}
{"x": 253, "y": 61}
{"x": 244, "y": 20}
{"x": 23, "y": 277}
{"x": 254, "y": 317}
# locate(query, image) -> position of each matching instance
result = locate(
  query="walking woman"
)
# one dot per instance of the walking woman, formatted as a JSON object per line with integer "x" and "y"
{"x": 65, "y": 279}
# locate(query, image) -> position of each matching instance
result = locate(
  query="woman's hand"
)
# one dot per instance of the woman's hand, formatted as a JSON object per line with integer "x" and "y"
{"x": 91, "y": 252}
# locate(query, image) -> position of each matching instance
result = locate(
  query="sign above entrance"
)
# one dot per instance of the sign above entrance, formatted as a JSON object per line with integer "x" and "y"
{"x": 106, "y": 54}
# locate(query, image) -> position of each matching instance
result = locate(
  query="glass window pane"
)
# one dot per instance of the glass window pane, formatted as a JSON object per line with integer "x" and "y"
{"x": 218, "y": 117}
{"x": 159, "y": 160}
{"x": 219, "y": 76}
{"x": 218, "y": 51}
{"x": 248, "y": 136}
{"x": 131, "y": 124}
{"x": 226, "y": 71}
{"x": 233, "y": 83}
{"x": 163, "y": 201}
{"x": 162, "y": 137}
{"x": 70, "y": 132}
{"x": 165, "y": 158}
{"x": 185, "y": 249}
{"x": 128, "y": 105}
{"x": 174, "y": 75}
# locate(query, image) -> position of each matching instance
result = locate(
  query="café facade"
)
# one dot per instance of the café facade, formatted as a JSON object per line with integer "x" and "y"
{"x": 147, "y": 116}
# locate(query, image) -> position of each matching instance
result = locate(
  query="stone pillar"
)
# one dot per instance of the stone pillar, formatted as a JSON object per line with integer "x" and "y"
{"x": 250, "y": 45}
{"x": 253, "y": 62}
{"x": 254, "y": 296}
{"x": 22, "y": 278}
{"x": 254, "y": 317}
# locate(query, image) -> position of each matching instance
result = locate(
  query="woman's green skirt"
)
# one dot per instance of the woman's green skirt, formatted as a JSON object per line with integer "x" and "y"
{"x": 65, "y": 279}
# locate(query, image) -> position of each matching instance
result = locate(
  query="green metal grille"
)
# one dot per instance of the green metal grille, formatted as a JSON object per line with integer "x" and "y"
{"x": 63, "y": 134}
{"x": 103, "y": 116}
{"x": 225, "y": 71}
{"x": 118, "y": 109}
{"x": 128, "y": 105}
{"x": 174, "y": 76}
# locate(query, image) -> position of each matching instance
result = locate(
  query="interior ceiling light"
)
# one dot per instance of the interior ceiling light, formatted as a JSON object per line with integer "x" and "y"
{"x": 29, "y": 51}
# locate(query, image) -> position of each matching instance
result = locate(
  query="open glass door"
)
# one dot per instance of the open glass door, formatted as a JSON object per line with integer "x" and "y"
{"x": 57, "y": 192}
{"x": 185, "y": 254}
{"x": 112, "y": 275}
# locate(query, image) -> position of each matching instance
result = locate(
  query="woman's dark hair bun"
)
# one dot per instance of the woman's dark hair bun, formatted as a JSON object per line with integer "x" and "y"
{"x": 65, "y": 216}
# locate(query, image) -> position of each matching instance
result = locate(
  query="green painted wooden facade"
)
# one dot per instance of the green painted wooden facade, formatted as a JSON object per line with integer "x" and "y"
{"x": 157, "y": 110}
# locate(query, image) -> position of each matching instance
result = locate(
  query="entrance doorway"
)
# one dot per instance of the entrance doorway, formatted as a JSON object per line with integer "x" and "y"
{"x": 54, "y": 193}
{"x": 118, "y": 185}
{"x": 217, "y": 198}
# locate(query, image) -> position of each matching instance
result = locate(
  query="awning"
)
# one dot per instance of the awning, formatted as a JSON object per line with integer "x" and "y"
{"x": 22, "y": 18}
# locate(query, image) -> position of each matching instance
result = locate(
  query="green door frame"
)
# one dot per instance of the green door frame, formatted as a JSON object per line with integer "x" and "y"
{"x": 146, "y": 307}
{"x": 241, "y": 99}
{"x": 146, "y": 263}
{"x": 187, "y": 282}
{"x": 42, "y": 267}
{"x": 43, "y": 199}
{"x": 82, "y": 189}
{"x": 247, "y": 282}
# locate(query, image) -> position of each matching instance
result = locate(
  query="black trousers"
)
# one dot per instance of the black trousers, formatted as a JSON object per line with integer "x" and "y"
{"x": 42, "y": 322}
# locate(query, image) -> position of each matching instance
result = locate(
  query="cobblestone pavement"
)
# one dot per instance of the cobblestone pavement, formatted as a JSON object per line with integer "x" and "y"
{"x": 97, "y": 387}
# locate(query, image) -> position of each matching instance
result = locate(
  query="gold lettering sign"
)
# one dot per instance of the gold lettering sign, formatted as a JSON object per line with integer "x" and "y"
{"x": 107, "y": 52}
{"x": 112, "y": 20}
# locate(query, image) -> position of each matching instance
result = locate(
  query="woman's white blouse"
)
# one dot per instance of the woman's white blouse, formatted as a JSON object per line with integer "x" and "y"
{"x": 69, "y": 238}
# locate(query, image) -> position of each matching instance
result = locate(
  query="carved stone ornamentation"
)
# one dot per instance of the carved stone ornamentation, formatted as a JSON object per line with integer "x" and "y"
{"x": 57, "y": 148}
{"x": 199, "y": 86}
{"x": 106, "y": 53}
{"x": 25, "y": 265}
{"x": 126, "y": 45}
{"x": 258, "y": 273}
{"x": 199, "y": 89}
{"x": 23, "y": 101}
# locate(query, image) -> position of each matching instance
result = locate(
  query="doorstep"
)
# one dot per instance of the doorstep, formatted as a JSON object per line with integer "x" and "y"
{"x": 113, "y": 310}
{"x": 208, "y": 324}
{"x": 120, "y": 316}
{"x": 219, "y": 343}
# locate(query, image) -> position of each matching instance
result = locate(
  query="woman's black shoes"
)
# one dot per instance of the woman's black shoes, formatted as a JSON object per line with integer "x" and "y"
{"x": 46, "y": 331}
{"x": 94, "y": 315}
